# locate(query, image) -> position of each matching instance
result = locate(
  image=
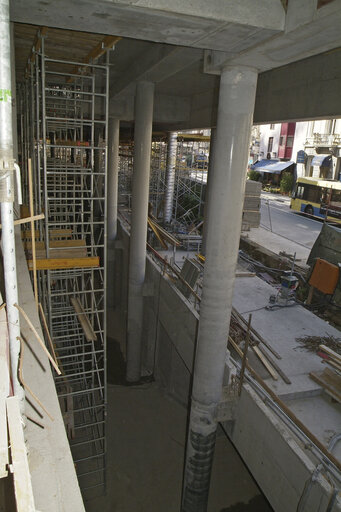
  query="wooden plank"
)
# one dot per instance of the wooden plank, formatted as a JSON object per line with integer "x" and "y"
{"x": 60, "y": 233}
{"x": 288, "y": 411}
{"x": 107, "y": 43}
{"x": 26, "y": 220}
{"x": 83, "y": 320}
{"x": 38, "y": 338}
{"x": 265, "y": 362}
{"x": 42, "y": 314}
{"x": 54, "y": 244}
{"x": 21, "y": 472}
{"x": 275, "y": 365}
{"x": 163, "y": 233}
{"x": 26, "y": 234}
{"x": 334, "y": 355}
{"x": 63, "y": 263}
{"x": 333, "y": 364}
{"x": 333, "y": 378}
{"x": 39, "y": 245}
{"x": 67, "y": 243}
{"x": 156, "y": 233}
{"x": 258, "y": 336}
{"x": 4, "y": 391}
{"x": 331, "y": 386}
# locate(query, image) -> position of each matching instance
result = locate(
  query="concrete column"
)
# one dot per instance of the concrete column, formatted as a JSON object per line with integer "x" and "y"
{"x": 207, "y": 193}
{"x": 170, "y": 177}
{"x": 138, "y": 235}
{"x": 235, "y": 111}
{"x": 112, "y": 199}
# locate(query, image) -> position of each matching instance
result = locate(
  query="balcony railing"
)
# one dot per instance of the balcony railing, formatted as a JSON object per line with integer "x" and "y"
{"x": 319, "y": 139}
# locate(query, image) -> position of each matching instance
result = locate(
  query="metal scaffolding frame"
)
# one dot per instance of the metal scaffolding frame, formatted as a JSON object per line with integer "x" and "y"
{"x": 64, "y": 128}
{"x": 191, "y": 172}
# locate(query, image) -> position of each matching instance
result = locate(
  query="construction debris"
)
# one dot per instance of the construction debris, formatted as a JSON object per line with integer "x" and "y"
{"x": 330, "y": 381}
{"x": 312, "y": 343}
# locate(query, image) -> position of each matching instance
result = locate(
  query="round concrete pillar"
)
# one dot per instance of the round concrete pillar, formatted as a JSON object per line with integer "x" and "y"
{"x": 138, "y": 234}
{"x": 235, "y": 111}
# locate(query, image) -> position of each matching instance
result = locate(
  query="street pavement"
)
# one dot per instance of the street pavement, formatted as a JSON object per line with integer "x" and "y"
{"x": 282, "y": 230}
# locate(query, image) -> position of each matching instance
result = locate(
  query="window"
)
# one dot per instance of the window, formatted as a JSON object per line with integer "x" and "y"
{"x": 270, "y": 144}
{"x": 290, "y": 141}
{"x": 272, "y": 126}
{"x": 311, "y": 194}
{"x": 299, "y": 192}
{"x": 282, "y": 140}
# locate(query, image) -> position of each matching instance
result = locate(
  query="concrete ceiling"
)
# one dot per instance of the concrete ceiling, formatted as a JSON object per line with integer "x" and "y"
{"x": 169, "y": 43}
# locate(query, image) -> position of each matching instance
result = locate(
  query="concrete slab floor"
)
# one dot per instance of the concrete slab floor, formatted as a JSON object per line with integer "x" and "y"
{"x": 146, "y": 437}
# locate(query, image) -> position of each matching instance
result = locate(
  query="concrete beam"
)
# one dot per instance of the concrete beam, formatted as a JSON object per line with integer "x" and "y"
{"x": 156, "y": 65}
{"x": 167, "y": 109}
{"x": 259, "y": 13}
{"x": 219, "y": 24}
{"x": 308, "y": 89}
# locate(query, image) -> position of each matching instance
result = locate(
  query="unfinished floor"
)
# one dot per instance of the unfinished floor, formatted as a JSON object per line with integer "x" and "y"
{"x": 146, "y": 436}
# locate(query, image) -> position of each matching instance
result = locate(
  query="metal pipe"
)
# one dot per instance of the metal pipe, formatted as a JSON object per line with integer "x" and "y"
{"x": 144, "y": 100}
{"x": 113, "y": 148}
{"x": 112, "y": 201}
{"x": 235, "y": 110}
{"x": 207, "y": 192}
{"x": 7, "y": 196}
{"x": 170, "y": 176}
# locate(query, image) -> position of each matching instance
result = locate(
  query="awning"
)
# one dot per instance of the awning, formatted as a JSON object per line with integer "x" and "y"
{"x": 322, "y": 160}
{"x": 263, "y": 163}
{"x": 275, "y": 168}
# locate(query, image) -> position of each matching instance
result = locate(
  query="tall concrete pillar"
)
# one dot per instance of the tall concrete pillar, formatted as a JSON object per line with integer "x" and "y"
{"x": 112, "y": 199}
{"x": 235, "y": 111}
{"x": 207, "y": 193}
{"x": 170, "y": 177}
{"x": 138, "y": 235}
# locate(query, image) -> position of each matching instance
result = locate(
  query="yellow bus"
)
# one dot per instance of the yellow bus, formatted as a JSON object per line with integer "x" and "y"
{"x": 320, "y": 198}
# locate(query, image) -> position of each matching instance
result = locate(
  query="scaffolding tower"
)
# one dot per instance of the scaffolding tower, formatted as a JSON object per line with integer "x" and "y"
{"x": 64, "y": 123}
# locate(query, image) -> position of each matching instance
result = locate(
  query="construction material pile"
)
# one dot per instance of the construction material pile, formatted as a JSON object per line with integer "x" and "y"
{"x": 251, "y": 207}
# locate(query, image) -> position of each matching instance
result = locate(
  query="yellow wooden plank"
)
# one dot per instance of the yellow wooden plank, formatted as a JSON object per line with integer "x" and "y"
{"x": 39, "y": 245}
{"x": 67, "y": 243}
{"x": 58, "y": 233}
{"x": 63, "y": 263}
{"x": 26, "y": 233}
{"x": 54, "y": 244}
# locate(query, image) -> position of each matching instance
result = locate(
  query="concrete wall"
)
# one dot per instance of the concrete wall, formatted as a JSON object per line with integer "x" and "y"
{"x": 170, "y": 323}
{"x": 277, "y": 460}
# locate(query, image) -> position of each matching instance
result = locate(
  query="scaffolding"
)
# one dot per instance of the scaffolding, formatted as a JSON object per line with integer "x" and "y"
{"x": 64, "y": 123}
